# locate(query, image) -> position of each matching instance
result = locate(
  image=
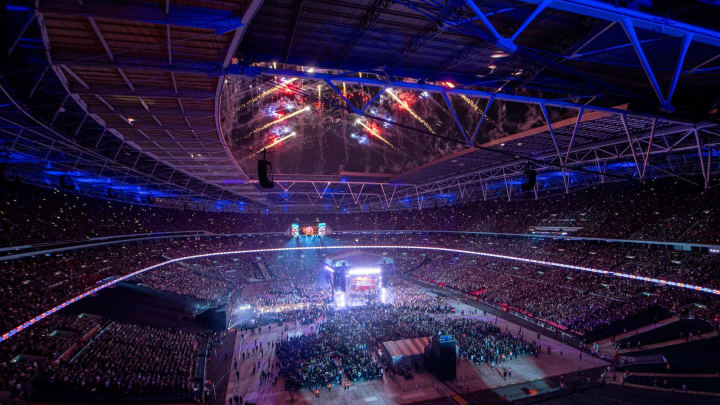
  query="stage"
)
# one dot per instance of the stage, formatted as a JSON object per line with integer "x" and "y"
{"x": 358, "y": 278}
{"x": 529, "y": 374}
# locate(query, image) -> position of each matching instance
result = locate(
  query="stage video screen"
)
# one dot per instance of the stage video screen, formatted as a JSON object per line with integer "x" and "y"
{"x": 318, "y": 229}
{"x": 363, "y": 283}
{"x": 309, "y": 230}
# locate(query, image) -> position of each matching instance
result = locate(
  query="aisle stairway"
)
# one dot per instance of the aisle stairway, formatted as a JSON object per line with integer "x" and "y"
{"x": 607, "y": 350}
{"x": 667, "y": 343}
{"x": 264, "y": 270}
{"x": 640, "y": 330}
{"x": 699, "y": 384}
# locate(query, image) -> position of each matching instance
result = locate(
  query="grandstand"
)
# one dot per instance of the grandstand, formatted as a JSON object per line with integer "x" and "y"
{"x": 249, "y": 202}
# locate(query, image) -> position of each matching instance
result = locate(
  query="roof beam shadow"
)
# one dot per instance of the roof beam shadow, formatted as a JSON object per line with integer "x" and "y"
{"x": 220, "y": 21}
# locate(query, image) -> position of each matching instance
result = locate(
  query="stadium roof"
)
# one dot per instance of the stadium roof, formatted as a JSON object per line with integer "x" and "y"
{"x": 130, "y": 99}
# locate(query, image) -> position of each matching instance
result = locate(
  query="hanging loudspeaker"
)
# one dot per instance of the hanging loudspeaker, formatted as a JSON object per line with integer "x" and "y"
{"x": 7, "y": 176}
{"x": 66, "y": 183}
{"x": 531, "y": 175}
{"x": 265, "y": 181}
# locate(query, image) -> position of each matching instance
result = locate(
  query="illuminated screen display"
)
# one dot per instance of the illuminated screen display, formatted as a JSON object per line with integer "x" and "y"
{"x": 363, "y": 283}
{"x": 318, "y": 229}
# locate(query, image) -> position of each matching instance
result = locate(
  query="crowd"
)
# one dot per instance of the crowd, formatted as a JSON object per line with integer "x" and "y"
{"x": 21, "y": 357}
{"x": 477, "y": 340}
{"x": 127, "y": 360}
{"x": 235, "y": 270}
{"x": 304, "y": 314}
{"x": 658, "y": 210}
{"x": 409, "y": 295}
{"x": 32, "y": 285}
{"x": 303, "y": 301}
{"x": 580, "y": 301}
{"x": 335, "y": 353}
{"x": 180, "y": 278}
{"x": 279, "y": 294}
{"x": 348, "y": 344}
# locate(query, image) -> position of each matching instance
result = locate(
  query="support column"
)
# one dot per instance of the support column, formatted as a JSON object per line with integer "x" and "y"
{"x": 702, "y": 162}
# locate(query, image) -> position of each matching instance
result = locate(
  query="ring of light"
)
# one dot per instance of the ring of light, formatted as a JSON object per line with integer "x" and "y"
{"x": 49, "y": 312}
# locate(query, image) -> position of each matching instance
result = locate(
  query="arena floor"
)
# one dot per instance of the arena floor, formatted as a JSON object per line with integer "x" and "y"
{"x": 528, "y": 373}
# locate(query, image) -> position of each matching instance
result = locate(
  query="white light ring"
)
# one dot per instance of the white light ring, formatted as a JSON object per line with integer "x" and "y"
{"x": 49, "y": 312}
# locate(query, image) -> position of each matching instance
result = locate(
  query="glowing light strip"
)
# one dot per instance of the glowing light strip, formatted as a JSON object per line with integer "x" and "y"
{"x": 266, "y": 93}
{"x": 375, "y": 134}
{"x": 49, "y": 312}
{"x": 281, "y": 119}
{"x": 407, "y": 107}
{"x": 330, "y": 269}
{"x": 275, "y": 143}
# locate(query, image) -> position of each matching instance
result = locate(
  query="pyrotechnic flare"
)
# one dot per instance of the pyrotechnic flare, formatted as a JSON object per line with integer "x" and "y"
{"x": 375, "y": 133}
{"x": 281, "y": 119}
{"x": 266, "y": 93}
{"x": 276, "y": 142}
{"x": 472, "y": 104}
{"x": 405, "y": 106}
{"x": 477, "y": 109}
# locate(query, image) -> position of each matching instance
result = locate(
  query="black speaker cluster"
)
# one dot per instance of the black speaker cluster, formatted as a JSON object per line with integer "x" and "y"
{"x": 531, "y": 175}
{"x": 441, "y": 357}
{"x": 8, "y": 177}
{"x": 66, "y": 183}
{"x": 265, "y": 173}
